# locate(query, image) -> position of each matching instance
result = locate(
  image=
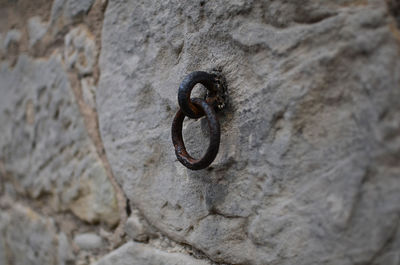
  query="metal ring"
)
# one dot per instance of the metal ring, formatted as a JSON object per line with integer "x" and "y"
{"x": 185, "y": 88}
{"x": 215, "y": 135}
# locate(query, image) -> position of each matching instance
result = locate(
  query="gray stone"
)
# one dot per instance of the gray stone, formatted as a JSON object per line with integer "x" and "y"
{"x": 307, "y": 171}
{"x": 88, "y": 91}
{"x": 88, "y": 241}
{"x": 76, "y": 8}
{"x": 56, "y": 11}
{"x": 9, "y": 189}
{"x": 80, "y": 50}
{"x": 36, "y": 30}
{"x": 140, "y": 254}
{"x": 3, "y": 250}
{"x": 65, "y": 253}
{"x": 26, "y": 238}
{"x": 136, "y": 229}
{"x": 1, "y": 43}
{"x": 67, "y": 12}
{"x": 44, "y": 144}
{"x": 12, "y": 36}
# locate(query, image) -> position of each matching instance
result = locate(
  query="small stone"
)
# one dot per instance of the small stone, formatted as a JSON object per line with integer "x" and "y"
{"x": 9, "y": 189}
{"x": 135, "y": 229}
{"x": 1, "y": 43}
{"x": 76, "y": 8}
{"x": 65, "y": 253}
{"x": 56, "y": 13}
{"x": 88, "y": 241}
{"x": 36, "y": 30}
{"x": 80, "y": 50}
{"x": 88, "y": 91}
{"x": 12, "y": 36}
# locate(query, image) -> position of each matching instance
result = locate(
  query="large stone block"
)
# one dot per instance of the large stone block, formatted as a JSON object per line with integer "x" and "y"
{"x": 307, "y": 171}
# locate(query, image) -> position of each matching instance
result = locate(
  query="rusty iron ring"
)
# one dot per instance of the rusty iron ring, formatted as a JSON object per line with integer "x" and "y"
{"x": 185, "y": 103}
{"x": 215, "y": 135}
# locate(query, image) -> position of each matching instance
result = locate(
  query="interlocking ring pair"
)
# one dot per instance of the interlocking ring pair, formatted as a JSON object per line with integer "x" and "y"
{"x": 195, "y": 108}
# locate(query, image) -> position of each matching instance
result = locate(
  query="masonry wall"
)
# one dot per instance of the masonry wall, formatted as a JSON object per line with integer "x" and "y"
{"x": 308, "y": 170}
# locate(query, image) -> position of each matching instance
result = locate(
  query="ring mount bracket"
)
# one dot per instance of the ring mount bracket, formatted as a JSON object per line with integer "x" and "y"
{"x": 216, "y": 95}
{"x": 218, "y": 98}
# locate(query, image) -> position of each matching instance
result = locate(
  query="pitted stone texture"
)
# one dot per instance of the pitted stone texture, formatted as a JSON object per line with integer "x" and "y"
{"x": 139, "y": 254}
{"x": 44, "y": 144}
{"x": 26, "y": 238}
{"x": 307, "y": 171}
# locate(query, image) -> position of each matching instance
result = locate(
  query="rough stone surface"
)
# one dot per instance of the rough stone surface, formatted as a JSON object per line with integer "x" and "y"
{"x": 21, "y": 227}
{"x": 307, "y": 171}
{"x": 44, "y": 144}
{"x": 55, "y": 181}
{"x": 139, "y": 254}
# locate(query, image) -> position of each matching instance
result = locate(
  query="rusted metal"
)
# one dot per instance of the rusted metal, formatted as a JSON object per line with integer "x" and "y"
{"x": 195, "y": 108}
{"x": 216, "y": 92}
{"x": 202, "y": 108}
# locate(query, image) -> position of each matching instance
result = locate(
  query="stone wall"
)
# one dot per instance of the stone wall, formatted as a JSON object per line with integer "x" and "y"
{"x": 308, "y": 170}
